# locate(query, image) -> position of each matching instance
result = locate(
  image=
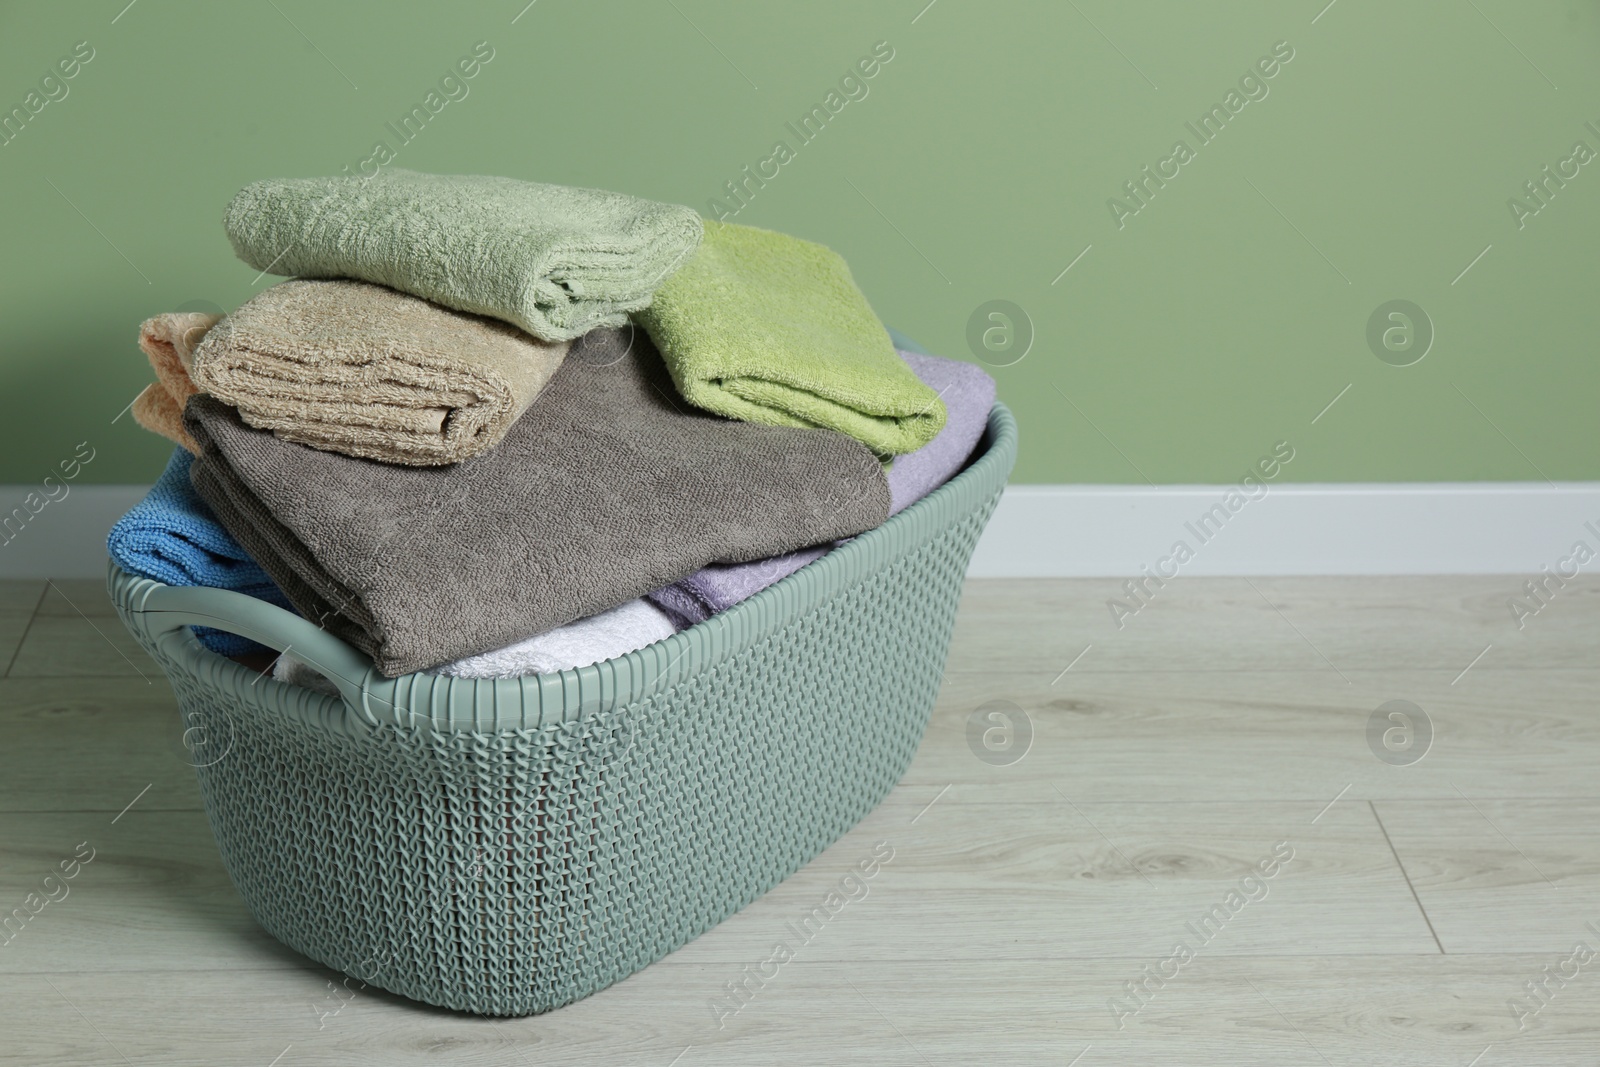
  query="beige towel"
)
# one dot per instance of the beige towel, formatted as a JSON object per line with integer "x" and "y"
{"x": 169, "y": 342}
{"x": 349, "y": 367}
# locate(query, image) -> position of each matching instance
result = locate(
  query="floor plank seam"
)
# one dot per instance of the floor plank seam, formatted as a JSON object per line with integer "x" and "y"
{"x": 1404, "y": 874}
{"x": 26, "y": 629}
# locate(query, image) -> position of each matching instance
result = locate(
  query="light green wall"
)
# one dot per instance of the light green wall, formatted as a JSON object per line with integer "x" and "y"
{"x": 979, "y": 165}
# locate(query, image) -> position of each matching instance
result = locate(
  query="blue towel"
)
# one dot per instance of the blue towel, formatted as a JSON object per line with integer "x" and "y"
{"x": 172, "y": 537}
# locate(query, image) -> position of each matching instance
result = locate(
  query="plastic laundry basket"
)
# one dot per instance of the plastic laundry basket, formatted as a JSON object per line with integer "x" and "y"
{"x": 507, "y": 847}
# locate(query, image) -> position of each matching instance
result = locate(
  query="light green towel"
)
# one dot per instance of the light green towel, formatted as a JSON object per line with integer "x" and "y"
{"x": 555, "y": 260}
{"x": 765, "y": 327}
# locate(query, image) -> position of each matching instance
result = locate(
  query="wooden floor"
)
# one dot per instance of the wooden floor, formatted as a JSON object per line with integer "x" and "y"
{"x": 1168, "y": 761}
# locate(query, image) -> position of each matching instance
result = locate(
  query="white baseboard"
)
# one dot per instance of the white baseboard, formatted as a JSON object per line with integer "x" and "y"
{"x": 1105, "y": 530}
{"x": 1310, "y": 529}
{"x": 67, "y": 538}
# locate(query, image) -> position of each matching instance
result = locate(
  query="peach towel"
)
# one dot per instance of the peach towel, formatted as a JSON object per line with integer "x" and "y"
{"x": 169, "y": 341}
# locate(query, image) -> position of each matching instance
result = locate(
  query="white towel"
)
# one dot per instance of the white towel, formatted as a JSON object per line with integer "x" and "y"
{"x": 607, "y": 635}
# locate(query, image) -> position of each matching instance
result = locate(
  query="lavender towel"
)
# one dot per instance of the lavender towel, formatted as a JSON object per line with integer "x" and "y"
{"x": 968, "y": 394}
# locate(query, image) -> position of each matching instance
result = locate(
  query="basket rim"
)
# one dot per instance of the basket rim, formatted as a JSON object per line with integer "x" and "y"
{"x": 161, "y": 616}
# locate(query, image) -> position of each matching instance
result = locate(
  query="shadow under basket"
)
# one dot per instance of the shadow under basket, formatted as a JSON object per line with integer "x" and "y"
{"x": 509, "y": 846}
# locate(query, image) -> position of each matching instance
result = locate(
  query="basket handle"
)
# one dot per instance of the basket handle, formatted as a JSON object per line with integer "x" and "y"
{"x": 163, "y": 610}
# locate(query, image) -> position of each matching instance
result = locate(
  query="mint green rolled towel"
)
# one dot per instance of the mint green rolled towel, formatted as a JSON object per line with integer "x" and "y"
{"x": 555, "y": 260}
{"x": 765, "y": 327}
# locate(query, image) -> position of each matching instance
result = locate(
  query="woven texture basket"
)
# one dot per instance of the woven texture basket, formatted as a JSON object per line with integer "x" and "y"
{"x": 507, "y": 847}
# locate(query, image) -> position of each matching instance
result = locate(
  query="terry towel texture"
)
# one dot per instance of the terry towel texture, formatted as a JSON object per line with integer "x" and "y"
{"x": 555, "y": 260}
{"x": 968, "y": 393}
{"x": 168, "y": 341}
{"x": 605, "y": 490}
{"x": 364, "y": 370}
{"x": 768, "y": 328}
{"x": 607, "y": 635}
{"x": 172, "y": 537}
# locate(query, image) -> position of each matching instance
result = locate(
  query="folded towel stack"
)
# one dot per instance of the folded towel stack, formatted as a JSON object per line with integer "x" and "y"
{"x": 604, "y": 491}
{"x": 443, "y": 441}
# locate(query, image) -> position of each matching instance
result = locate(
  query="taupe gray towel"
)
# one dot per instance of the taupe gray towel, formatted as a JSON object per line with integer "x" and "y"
{"x": 356, "y": 368}
{"x": 608, "y": 488}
